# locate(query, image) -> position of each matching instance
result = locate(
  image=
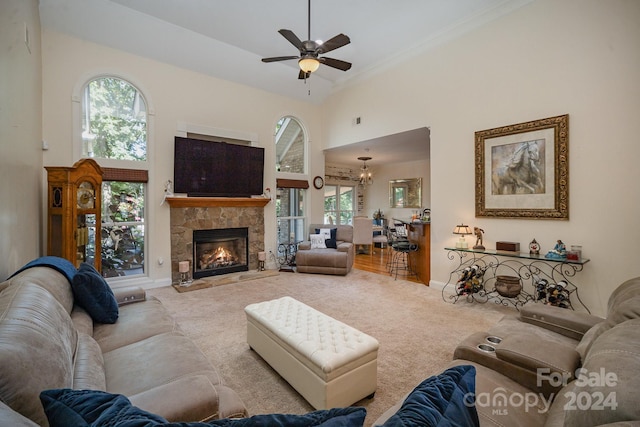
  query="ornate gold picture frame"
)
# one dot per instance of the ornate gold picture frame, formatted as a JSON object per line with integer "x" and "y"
{"x": 522, "y": 170}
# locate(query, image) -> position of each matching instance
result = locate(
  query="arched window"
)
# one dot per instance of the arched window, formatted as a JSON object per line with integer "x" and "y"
{"x": 290, "y": 146}
{"x": 290, "y": 140}
{"x": 114, "y": 120}
{"x": 114, "y": 127}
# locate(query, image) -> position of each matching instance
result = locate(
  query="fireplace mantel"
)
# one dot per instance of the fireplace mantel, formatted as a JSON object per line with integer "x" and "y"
{"x": 205, "y": 202}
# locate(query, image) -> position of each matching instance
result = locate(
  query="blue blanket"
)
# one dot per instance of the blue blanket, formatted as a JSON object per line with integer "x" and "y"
{"x": 59, "y": 264}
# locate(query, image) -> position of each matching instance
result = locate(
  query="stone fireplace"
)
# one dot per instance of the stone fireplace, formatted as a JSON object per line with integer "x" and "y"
{"x": 191, "y": 214}
{"x": 220, "y": 251}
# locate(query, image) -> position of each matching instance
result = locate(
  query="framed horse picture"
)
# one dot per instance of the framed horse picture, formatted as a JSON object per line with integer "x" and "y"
{"x": 522, "y": 170}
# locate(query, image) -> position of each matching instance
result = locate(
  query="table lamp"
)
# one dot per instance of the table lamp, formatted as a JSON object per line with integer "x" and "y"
{"x": 462, "y": 230}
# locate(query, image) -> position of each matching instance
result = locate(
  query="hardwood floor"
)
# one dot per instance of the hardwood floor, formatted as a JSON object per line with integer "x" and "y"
{"x": 377, "y": 263}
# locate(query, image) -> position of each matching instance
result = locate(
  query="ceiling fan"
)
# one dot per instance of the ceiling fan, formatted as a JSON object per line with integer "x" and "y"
{"x": 309, "y": 59}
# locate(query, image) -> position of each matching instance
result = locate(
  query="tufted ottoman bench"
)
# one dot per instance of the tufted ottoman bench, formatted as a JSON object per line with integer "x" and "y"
{"x": 329, "y": 363}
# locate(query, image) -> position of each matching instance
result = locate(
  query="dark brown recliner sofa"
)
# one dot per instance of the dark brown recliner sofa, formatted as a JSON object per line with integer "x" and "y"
{"x": 338, "y": 261}
{"x": 49, "y": 342}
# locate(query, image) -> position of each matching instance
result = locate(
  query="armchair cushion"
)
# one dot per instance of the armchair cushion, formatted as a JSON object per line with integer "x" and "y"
{"x": 344, "y": 246}
{"x": 92, "y": 293}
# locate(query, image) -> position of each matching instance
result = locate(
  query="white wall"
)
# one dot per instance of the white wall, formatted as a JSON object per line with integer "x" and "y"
{"x": 175, "y": 95}
{"x": 580, "y": 57}
{"x": 20, "y": 135}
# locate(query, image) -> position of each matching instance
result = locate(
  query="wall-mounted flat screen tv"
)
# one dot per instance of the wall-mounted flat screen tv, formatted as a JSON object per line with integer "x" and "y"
{"x": 217, "y": 169}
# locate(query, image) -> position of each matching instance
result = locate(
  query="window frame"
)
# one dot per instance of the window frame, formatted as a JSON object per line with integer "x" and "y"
{"x": 293, "y": 181}
{"x": 77, "y": 100}
{"x": 338, "y": 210}
{"x": 305, "y": 160}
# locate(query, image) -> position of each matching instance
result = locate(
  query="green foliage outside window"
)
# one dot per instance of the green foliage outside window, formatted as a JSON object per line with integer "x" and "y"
{"x": 122, "y": 227}
{"x": 340, "y": 207}
{"x": 115, "y": 120}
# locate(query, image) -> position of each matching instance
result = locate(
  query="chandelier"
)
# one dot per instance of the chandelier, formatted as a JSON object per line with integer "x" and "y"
{"x": 366, "y": 177}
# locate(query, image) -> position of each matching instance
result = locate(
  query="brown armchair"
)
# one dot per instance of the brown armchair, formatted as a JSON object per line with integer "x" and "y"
{"x": 338, "y": 260}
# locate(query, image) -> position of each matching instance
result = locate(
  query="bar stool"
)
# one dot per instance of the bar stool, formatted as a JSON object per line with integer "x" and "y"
{"x": 402, "y": 247}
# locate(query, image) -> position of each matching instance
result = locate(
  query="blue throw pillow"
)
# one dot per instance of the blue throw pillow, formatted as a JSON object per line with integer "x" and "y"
{"x": 80, "y": 408}
{"x": 443, "y": 400}
{"x": 92, "y": 293}
{"x": 90, "y": 408}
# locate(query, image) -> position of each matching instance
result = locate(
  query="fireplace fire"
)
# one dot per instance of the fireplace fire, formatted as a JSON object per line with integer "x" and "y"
{"x": 220, "y": 251}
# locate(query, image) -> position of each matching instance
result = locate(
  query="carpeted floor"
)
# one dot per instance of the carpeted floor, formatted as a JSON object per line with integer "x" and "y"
{"x": 417, "y": 331}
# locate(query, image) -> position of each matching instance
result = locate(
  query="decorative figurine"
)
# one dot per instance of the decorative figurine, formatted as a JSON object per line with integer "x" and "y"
{"x": 478, "y": 232}
{"x": 534, "y": 248}
{"x": 168, "y": 188}
{"x": 559, "y": 251}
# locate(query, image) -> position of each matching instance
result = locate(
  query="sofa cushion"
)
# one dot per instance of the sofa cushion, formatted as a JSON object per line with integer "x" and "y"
{"x": 607, "y": 387}
{"x": 81, "y": 320}
{"x": 92, "y": 293}
{"x": 136, "y": 322}
{"x": 623, "y": 311}
{"x": 165, "y": 362}
{"x": 499, "y": 399}
{"x": 88, "y": 370}
{"x": 12, "y": 418}
{"x": 65, "y": 407}
{"x": 37, "y": 346}
{"x": 441, "y": 400}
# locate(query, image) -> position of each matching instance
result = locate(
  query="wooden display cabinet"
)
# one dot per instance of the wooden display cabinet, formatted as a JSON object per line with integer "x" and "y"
{"x": 73, "y": 212}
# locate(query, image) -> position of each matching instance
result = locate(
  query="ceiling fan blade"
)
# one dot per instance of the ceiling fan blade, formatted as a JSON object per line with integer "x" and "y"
{"x": 279, "y": 58}
{"x": 335, "y": 63}
{"x": 334, "y": 43}
{"x": 303, "y": 76}
{"x": 293, "y": 39}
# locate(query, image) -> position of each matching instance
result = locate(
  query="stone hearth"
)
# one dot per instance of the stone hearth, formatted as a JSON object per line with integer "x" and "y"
{"x": 186, "y": 219}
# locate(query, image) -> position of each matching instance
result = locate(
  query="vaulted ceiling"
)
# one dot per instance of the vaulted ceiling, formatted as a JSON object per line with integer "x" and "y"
{"x": 227, "y": 38}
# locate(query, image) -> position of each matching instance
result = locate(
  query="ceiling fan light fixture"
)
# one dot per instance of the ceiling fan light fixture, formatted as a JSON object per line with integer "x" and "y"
{"x": 309, "y": 64}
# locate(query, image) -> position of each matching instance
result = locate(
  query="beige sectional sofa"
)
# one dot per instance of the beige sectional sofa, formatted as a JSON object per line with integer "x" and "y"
{"x": 549, "y": 366}
{"x": 49, "y": 342}
{"x": 338, "y": 260}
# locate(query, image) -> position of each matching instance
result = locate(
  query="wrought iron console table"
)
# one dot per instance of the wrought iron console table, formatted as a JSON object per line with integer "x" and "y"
{"x": 477, "y": 274}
